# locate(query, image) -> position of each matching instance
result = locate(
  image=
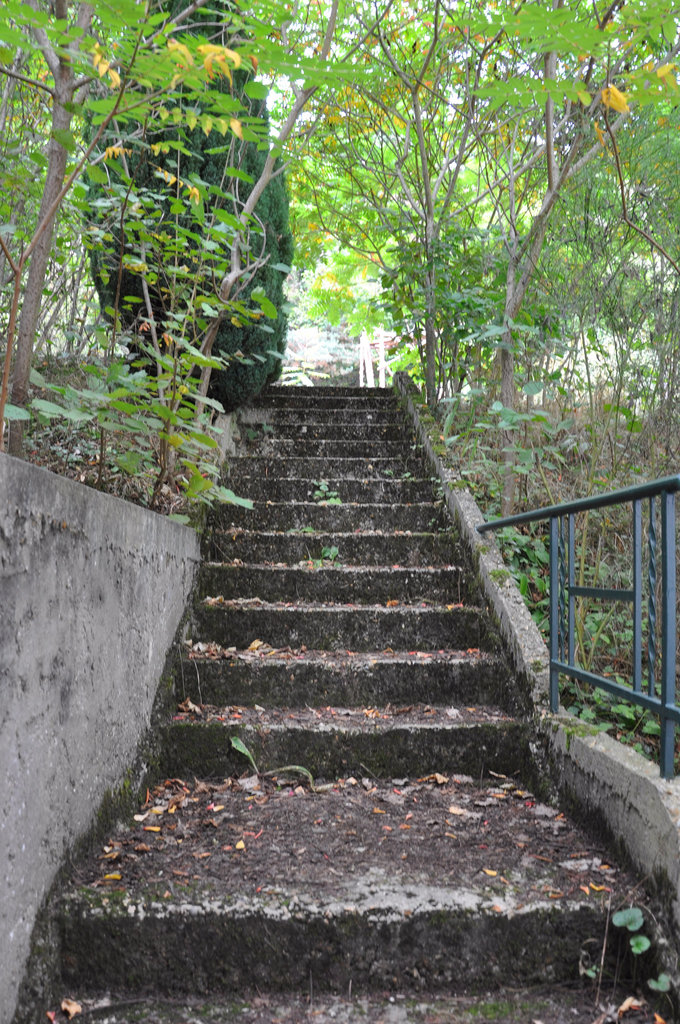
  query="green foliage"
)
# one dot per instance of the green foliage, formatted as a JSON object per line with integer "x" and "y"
{"x": 324, "y": 495}
{"x": 165, "y": 440}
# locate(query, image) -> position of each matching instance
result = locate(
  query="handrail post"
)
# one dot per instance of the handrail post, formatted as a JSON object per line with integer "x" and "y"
{"x": 554, "y": 614}
{"x": 668, "y": 631}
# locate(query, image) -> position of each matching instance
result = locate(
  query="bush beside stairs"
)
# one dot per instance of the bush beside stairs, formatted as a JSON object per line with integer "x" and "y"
{"x": 374, "y": 832}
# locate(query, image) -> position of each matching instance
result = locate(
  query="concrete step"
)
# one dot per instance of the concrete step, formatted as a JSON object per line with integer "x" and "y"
{"x": 384, "y": 549}
{"x": 237, "y": 623}
{"x": 406, "y": 886}
{"x": 341, "y": 413}
{"x": 319, "y": 516}
{"x": 325, "y": 398}
{"x": 411, "y": 490}
{"x": 332, "y": 741}
{"x": 280, "y": 677}
{"x": 328, "y": 429}
{"x": 305, "y": 446}
{"x": 355, "y": 584}
{"x": 322, "y": 468}
{"x": 566, "y": 1003}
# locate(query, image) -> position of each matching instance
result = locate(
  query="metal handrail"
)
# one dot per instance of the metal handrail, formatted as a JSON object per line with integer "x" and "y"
{"x": 563, "y": 592}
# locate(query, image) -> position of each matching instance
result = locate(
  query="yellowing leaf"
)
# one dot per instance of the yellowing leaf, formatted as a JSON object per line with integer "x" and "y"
{"x": 236, "y": 127}
{"x": 115, "y": 876}
{"x": 175, "y": 46}
{"x": 256, "y": 644}
{"x": 152, "y": 828}
{"x": 664, "y": 70}
{"x": 600, "y": 134}
{"x": 240, "y": 845}
{"x": 612, "y": 97}
{"x": 115, "y": 78}
{"x": 490, "y": 872}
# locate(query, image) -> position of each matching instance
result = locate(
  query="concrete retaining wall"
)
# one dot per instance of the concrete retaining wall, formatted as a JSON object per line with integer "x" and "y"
{"x": 92, "y": 590}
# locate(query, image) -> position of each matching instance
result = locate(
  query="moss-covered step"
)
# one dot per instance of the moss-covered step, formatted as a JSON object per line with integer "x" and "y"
{"x": 314, "y": 468}
{"x": 345, "y": 583}
{"x": 367, "y": 548}
{"x": 408, "y": 887}
{"x": 409, "y": 490}
{"x": 327, "y": 430}
{"x": 273, "y": 677}
{"x": 323, "y": 448}
{"x": 330, "y": 742}
{"x": 322, "y": 516}
{"x": 237, "y": 623}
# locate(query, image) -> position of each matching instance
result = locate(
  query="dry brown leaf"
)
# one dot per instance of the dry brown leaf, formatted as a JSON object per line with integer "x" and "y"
{"x": 71, "y": 1008}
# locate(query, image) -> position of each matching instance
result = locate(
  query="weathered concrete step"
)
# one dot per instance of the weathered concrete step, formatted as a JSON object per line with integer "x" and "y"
{"x": 317, "y": 398}
{"x": 357, "y": 584}
{"x": 353, "y": 548}
{"x": 304, "y": 446}
{"x": 271, "y": 488}
{"x": 330, "y": 742}
{"x": 237, "y": 623}
{"x": 320, "y": 516}
{"x": 407, "y": 887}
{"x": 341, "y": 414}
{"x": 272, "y": 677}
{"x": 323, "y": 391}
{"x": 322, "y": 469}
{"x": 568, "y": 1003}
{"x": 330, "y": 430}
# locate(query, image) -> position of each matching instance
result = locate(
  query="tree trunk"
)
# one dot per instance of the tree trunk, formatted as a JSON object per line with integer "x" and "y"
{"x": 30, "y": 310}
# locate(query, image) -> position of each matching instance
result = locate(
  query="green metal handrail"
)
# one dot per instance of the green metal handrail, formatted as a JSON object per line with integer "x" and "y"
{"x": 658, "y": 695}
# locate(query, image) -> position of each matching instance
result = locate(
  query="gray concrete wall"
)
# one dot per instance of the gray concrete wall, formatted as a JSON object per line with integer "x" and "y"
{"x": 92, "y": 590}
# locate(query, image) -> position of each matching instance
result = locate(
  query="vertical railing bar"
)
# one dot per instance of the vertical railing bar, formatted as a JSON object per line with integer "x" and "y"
{"x": 570, "y": 571}
{"x": 668, "y": 630}
{"x": 554, "y": 604}
{"x": 561, "y": 587}
{"x": 651, "y": 601}
{"x": 637, "y": 596}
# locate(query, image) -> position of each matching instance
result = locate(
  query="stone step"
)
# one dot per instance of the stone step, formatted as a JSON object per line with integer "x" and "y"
{"x": 368, "y": 887}
{"x": 351, "y": 584}
{"x": 322, "y": 469}
{"x": 384, "y": 549}
{"x": 319, "y": 516}
{"x": 318, "y": 398}
{"x": 322, "y": 391}
{"x": 560, "y": 1003}
{"x": 331, "y": 741}
{"x": 279, "y": 677}
{"x": 237, "y": 623}
{"x": 327, "y": 430}
{"x": 342, "y": 414}
{"x": 307, "y": 447}
{"x": 370, "y": 491}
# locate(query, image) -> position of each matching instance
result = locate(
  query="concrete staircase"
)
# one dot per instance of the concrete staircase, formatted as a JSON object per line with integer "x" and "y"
{"x": 391, "y": 843}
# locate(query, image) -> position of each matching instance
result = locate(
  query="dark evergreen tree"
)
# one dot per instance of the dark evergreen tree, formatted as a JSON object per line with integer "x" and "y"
{"x": 253, "y": 345}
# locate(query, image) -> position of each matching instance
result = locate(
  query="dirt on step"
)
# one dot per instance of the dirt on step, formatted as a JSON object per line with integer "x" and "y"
{"x": 257, "y": 833}
{"x": 577, "y": 1004}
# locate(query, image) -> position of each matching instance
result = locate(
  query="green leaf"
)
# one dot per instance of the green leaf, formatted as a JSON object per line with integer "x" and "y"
{"x": 660, "y": 984}
{"x": 65, "y": 139}
{"x": 238, "y": 744}
{"x": 639, "y": 944}
{"x": 630, "y": 918}
{"x": 49, "y": 409}
{"x": 15, "y": 412}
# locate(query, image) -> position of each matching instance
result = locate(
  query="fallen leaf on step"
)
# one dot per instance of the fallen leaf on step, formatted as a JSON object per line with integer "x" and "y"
{"x": 630, "y": 1004}
{"x": 189, "y": 706}
{"x": 490, "y": 872}
{"x": 256, "y": 644}
{"x": 70, "y": 1007}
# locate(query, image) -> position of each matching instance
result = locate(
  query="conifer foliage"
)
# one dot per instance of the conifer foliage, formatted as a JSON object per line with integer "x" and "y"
{"x": 165, "y": 225}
